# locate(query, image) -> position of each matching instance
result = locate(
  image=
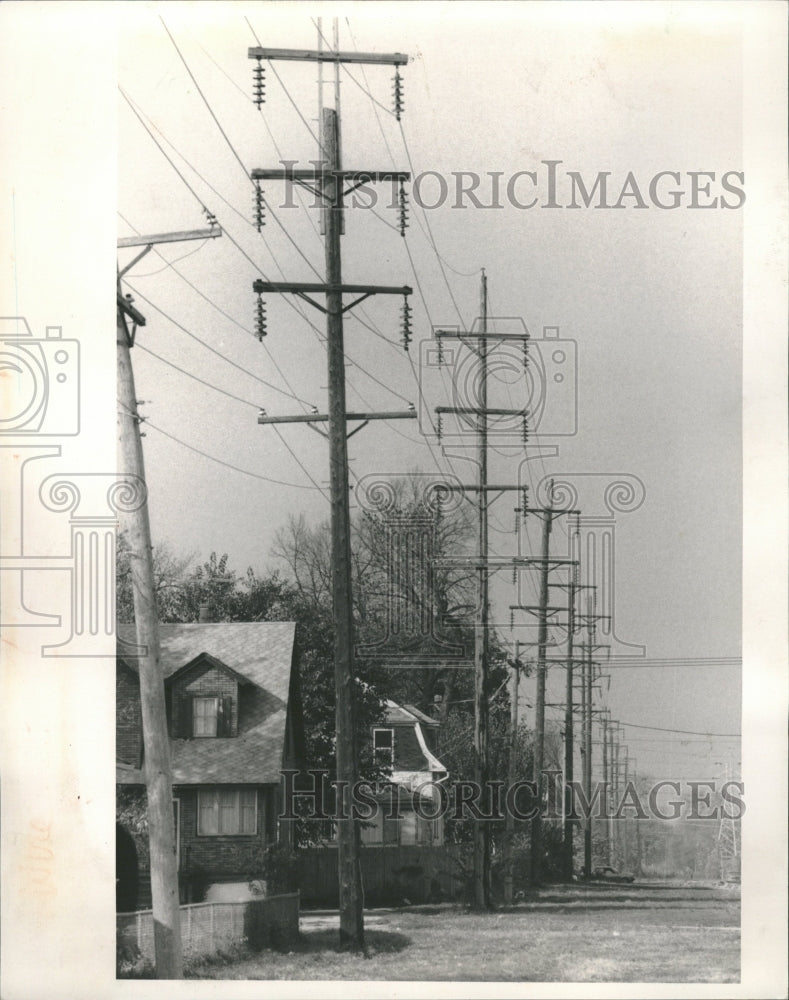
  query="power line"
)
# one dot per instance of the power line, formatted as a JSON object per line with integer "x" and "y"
{"x": 205, "y": 99}
{"x": 684, "y": 732}
{"x": 259, "y": 269}
{"x": 281, "y": 83}
{"x": 233, "y": 150}
{"x": 213, "y": 350}
{"x": 197, "y": 378}
{"x": 228, "y": 465}
{"x": 227, "y": 315}
{"x": 137, "y": 114}
{"x": 238, "y": 399}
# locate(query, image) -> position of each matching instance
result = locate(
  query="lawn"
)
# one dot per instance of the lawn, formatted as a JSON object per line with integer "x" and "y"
{"x": 567, "y": 934}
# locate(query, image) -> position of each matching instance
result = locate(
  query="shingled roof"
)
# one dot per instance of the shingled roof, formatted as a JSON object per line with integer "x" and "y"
{"x": 262, "y": 653}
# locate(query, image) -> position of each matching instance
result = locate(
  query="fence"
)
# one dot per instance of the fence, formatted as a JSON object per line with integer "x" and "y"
{"x": 391, "y": 873}
{"x": 210, "y": 927}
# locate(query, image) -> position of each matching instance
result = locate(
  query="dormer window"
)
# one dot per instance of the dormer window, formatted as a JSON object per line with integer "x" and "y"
{"x": 383, "y": 746}
{"x": 205, "y": 716}
{"x": 205, "y": 712}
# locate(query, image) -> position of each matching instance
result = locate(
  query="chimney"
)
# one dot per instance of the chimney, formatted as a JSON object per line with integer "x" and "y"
{"x": 205, "y": 612}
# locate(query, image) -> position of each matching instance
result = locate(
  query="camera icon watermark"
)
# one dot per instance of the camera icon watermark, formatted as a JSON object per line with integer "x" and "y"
{"x": 526, "y": 385}
{"x": 40, "y": 383}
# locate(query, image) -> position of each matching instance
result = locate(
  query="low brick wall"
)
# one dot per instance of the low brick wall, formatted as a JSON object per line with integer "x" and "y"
{"x": 210, "y": 927}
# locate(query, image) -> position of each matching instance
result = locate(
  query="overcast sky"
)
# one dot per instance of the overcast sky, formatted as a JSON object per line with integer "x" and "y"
{"x": 648, "y": 297}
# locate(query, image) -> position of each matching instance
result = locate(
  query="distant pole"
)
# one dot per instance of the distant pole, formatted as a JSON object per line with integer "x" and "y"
{"x": 615, "y": 775}
{"x": 588, "y": 737}
{"x": 606, "y": 778}
{"x": 158, "y": 774}
{"x": 539, "y": 724}
{"x": 481, "y": 693}
{"x": 509, "y": 819}
{"x": 348, "y": 840}
{"x": 611, "y": 857}
{"x": 569, "y": 823}
{"x": 625, "y": 846}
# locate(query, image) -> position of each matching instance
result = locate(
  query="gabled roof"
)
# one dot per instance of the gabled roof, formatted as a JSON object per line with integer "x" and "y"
{"x": 261, "y": 653}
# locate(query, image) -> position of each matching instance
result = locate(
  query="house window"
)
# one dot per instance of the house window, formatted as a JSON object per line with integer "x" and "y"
{"x": 205, "y": 712}
{"x": 383, "y": 746}
{"x": 227, "y": 811}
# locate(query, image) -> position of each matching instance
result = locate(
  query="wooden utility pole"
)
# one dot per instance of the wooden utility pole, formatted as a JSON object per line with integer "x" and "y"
{"x": 611, "y": 728}
{"x": 512, "y": 759}
{"x": 588, "y": 679}
{"x": 158, "y": 774}
{"x": 569, "y": 748}
{"x": 481, "y": 644}
{"x": 348, "y": 841}
{"x": 328, "y": 183}
{"x": 156, "y": 744}
{"x": 606, "y": 781}
{"x": 483, "y": 564}
{"x": 539, "y": 722}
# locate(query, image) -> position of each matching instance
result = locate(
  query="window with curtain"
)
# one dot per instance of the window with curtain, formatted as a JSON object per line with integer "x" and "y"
{"x": 227, "y": 812}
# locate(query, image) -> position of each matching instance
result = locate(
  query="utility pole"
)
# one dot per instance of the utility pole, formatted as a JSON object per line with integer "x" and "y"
{"x": 588, "y": 738}
{"x": 569, "y": 821}
{"x": 539, "y": 722}
{"x": 625, "y": 828}
{"x": 481, "y": 645}
{"x": 328, "y": 183}
{"x": 604, "y": 725}
{"x": 611, "y": 731}
{"x": 483, "y": 565}
{"x": 509, "y": 819}
{"x": 156, "y": 744}
{"x": 348, "y": 840}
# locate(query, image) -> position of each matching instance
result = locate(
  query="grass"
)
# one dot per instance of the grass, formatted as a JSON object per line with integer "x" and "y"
{"x": 565, "y": 934}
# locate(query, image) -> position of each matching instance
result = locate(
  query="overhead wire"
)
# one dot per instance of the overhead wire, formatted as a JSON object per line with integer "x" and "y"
{"x": 293, "y": 305}
{"x": 304, "y": 404}
{"x": 228, "y": 465}
{"x": 213, "y": 350}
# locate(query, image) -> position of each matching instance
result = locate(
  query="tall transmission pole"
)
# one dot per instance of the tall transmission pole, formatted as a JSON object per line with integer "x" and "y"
{"x": 481, "y": 644}
{"x": 569, "y": 747}
{"x": 348, "y": 842}
{"x": 512, "y": 755}
{"x": 588, "y": 681}
{"x": 328, "y": 183}
{"x": 485, "y": 493}
{"x": 156, "y": 744}
{"x": 539, "y": 721}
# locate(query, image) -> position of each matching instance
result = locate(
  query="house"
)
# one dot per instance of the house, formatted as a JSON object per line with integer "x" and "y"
{"x": 234, "y": 719}
{"x": 403, "y": 856}
{"x": 406, "y": 742}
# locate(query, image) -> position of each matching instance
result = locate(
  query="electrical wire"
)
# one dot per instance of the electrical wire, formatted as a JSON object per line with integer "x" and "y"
{"x": 213, "y": 350}
{"x": 238, "y": 399}
{"x": 305, "y": 406}
{"x": 233, "y": 150}
{"x": 258, "y": 269}
{"x": 228, "y": 465}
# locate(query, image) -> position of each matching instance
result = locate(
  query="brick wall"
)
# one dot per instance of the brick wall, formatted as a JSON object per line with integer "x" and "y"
{"x": 128, "y": 718}
{"x": 221, "y": 857}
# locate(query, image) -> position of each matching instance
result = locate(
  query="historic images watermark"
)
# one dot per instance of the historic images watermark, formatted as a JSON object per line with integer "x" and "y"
{"x": 666, "y": 799}
{"x": 550, "y": 184}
